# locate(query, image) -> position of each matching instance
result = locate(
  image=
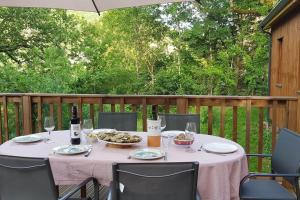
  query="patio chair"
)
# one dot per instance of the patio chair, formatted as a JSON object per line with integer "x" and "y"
{"x": 178, "y": 121}
{"x": 120, "y": 121}
{"x": 31, "y": 179}
{"x": 154, "y": 181}
{"x": 285, "y": 164}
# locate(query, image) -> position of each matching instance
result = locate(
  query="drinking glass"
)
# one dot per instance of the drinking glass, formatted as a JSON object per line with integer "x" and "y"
{"x": 190, "y": 130}
{"x": 166, "y": 141}
{"x": 87, "y": 128}
{"x": 48, "y": 126}
{"x": 163, "y": 122}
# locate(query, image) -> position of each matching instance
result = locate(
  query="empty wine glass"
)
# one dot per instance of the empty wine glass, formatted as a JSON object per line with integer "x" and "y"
{"x": 87, "y": 128}
{"x": 163, "y": 122}
{"x": 190, "y": 130}
{"x": 166, "y": 141}
{"x": 48, "y": 126}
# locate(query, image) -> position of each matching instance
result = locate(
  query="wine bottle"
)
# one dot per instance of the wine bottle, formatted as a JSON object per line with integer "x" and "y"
{"x": 75, "y": 127}
{"x": 154, "y": 113}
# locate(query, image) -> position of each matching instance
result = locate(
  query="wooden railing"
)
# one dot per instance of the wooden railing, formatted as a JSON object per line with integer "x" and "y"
{"x": 23, "y": 113}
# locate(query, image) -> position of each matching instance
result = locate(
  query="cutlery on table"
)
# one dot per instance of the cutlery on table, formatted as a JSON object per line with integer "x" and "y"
{"x": 166, "y": 156}
{"x": 200, "y": 149}
{"x": 88, "y": 152}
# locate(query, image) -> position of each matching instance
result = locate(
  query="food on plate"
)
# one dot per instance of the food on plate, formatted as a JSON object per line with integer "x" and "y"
{"x": 183, "y": 139}
{"x": 117, "y": 137}
{"x": 182, "y": 136}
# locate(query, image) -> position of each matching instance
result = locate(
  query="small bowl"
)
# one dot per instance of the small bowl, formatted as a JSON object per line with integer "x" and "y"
{"x": 183, "y": 142}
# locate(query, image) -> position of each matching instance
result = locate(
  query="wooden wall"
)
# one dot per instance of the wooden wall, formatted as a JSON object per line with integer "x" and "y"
{"x": 285, "y": 63}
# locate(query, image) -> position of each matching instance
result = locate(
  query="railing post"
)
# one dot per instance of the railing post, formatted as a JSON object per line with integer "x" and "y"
{"x": 182, "y": 105}
{"x": 27, "y": 115}
{"x": 298, "y": 114}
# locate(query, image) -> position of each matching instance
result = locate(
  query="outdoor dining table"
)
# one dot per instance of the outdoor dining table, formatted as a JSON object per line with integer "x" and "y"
{"x": 218, "y": 178}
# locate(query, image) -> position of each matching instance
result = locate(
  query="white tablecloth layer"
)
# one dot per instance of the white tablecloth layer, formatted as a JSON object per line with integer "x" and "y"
{"x": 218, "y": 179}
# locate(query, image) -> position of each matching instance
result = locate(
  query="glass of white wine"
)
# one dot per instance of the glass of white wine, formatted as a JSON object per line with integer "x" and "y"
{"x": 49, "y": 126}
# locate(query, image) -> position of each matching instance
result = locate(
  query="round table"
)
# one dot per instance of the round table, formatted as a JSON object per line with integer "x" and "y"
{"x": 218, "y": 178}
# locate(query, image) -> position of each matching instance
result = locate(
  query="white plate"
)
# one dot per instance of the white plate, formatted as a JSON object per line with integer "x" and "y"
{"x": 171, "y": 133}
{"x": 121, "y": 144}
{"x": 27, "y": 139}
{"x": 104, "y": 130}
{"x": 147, "y": 154}
{"x": 218, "y": 147}
{"x": 71, "y": 149}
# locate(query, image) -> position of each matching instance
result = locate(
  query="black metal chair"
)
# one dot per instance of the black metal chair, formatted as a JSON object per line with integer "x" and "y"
{"x": 120, "y": 121}
{"x": 154, "y": 181}
{"x": 285, "y": 164}
{"x": 31, "y": 179}
{"x": 178, "y": 121}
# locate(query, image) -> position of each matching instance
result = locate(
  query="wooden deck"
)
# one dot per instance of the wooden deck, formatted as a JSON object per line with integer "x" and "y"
{"x": 103, "y": 191}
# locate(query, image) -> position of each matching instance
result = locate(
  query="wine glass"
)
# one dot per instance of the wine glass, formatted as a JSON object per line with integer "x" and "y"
{"x": 87, "y": 128}
{"x": 166, "y": 141}
{"x": 49, "y": 126}
{"x": 163, "y": 123}
{"x": 190, "y": 130}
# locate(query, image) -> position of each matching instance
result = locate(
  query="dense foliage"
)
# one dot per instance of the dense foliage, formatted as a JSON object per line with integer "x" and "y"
{"x": 214, "y": 47}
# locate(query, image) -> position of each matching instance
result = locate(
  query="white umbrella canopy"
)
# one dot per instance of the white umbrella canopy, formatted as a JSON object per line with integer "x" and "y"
{"x": 83, "y": 5}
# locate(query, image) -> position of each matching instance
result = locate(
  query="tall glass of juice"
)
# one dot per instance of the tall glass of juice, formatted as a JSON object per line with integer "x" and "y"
{"x": 154, "y": 133}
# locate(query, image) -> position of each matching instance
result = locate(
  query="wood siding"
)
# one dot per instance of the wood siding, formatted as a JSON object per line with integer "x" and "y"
{"x": 285, "y": 64}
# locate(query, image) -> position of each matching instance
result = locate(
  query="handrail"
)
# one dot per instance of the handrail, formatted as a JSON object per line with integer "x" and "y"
{"x": 22, "y": 113}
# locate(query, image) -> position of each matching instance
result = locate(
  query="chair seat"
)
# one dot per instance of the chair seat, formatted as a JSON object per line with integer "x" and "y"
{"x": 110, "y": 198}
{"x": 264, "y": 190}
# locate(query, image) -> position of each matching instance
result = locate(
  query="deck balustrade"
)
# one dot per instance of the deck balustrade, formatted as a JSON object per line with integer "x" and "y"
{"x": 23, "y": 113}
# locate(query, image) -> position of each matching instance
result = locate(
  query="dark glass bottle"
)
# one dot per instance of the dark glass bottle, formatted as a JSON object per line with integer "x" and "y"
{"x": 154, "y": 113}
{"x": 75, "y": 127}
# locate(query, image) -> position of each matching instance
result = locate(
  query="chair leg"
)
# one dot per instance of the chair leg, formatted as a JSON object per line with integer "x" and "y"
{"x": 57, "y": 191}
{"x": 83, "y": 192}
{"x": 96, "y": 189}
{"x": 297, "y": 190}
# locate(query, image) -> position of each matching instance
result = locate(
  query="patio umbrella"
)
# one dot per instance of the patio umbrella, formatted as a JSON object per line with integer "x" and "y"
{"x": 83, "y": 5}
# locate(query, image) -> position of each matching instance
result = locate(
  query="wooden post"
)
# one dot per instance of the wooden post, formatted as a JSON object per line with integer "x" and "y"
{"x": 274, "y": 124}
{"x": 40, "y": 117}
{"x": 248, "y": 125}
{"x": 17, "y": 124}
{"x": 298, "y": 114}
{"x": 59, "y": 113}
{"x": 27, "y": 115}
{"x": 260, "y": 137}
{"x": 182, "y": 105}
{"x": 234, "y": 123}
{"x": 144, "y": 114}
{"x": 122, "y": 105}
{"x": 222, "y": 119}
{"x": 5, "y": 118}
{"x": 92, "y": 117}
{"x": 0, "y": 125}
{"x": 210, "y": 120}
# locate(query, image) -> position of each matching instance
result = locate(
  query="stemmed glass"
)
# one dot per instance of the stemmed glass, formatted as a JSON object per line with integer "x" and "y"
{"x": 163, "y": 123}
{"x": 190, "y": 130}
{"x": 87, "y": 127}
{"x": 49, "y": 126}
{"x": 166, "y": 141}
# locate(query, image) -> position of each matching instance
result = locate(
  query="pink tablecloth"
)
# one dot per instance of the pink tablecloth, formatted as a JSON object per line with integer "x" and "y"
{"x": 218, "y": 179}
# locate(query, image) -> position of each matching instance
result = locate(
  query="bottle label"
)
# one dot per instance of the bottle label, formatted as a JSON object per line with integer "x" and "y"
{"x": 75, "y": 130}
{"x": 154, "y": 127}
